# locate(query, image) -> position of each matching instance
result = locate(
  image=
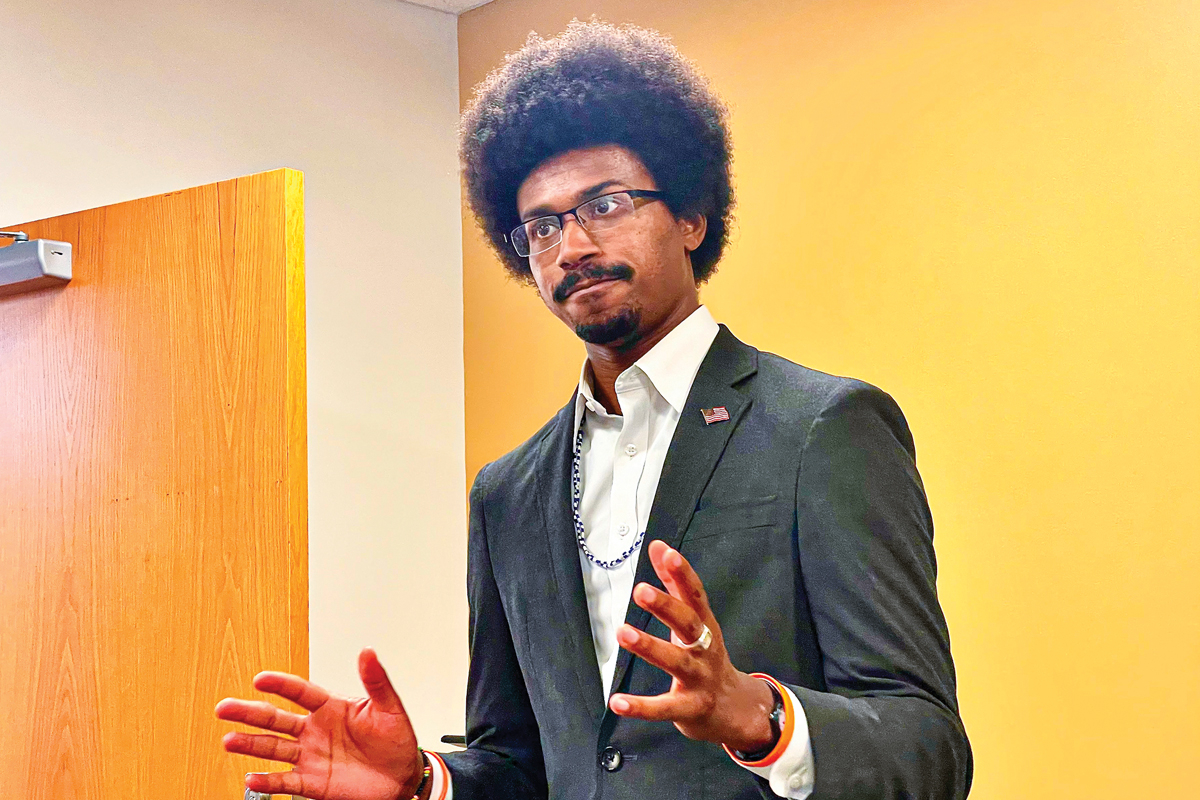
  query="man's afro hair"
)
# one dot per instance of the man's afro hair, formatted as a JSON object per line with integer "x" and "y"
{"x": 598, "y": 84}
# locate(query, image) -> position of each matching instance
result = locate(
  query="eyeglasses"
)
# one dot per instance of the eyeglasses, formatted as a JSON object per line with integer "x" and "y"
{"x": 539, "y": 235}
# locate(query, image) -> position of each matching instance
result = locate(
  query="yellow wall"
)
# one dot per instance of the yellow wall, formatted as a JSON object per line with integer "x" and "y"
{"x": 992, "y": 210}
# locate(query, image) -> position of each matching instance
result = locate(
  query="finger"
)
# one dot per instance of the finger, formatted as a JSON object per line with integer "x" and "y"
{"x": 277, "y": 783}
{"x": 261, "y": 745}
{"x": 672, "y": 659}
{"x": 678, "y": 577}
{"x": 682, "y": 619}
{"x": 261, "y": 715}
{"x": 657, "y": 708}
{"x": 301, "y": 692}
{"x": 375, "y": 681}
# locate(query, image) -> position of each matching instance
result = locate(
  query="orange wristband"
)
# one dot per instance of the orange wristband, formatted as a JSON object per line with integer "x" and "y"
{"x": 785, "y": 736}
{"x": 444, "y": 774}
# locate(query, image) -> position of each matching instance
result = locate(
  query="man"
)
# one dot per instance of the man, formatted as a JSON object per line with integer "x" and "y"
{"x": 767, "y": 521}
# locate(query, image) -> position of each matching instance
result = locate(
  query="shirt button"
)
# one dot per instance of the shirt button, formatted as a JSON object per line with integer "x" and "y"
{"x": 631, "y": 450}
{"x": 796, "y": 781}
{"x": 610, "y": 759}
{"x": 623, "y": 530}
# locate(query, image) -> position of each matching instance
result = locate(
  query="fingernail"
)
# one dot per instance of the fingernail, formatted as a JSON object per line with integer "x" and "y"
{"x": 619, "y": 704}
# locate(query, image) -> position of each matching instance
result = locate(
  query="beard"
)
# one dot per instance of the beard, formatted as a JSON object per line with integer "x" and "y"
{"x": 620, "y": 329}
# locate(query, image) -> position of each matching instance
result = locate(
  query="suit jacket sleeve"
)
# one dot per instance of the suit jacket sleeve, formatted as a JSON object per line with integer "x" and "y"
{"x": 887, "y": 725}
{"x": 503, "y": 759}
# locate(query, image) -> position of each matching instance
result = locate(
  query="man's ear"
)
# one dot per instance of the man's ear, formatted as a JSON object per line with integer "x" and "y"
{"x": 693, "y": 229}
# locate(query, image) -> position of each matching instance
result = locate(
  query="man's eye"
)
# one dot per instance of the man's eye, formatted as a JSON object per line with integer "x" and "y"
{"x": 543, "y": 230}
{"x": 604, "y": 205}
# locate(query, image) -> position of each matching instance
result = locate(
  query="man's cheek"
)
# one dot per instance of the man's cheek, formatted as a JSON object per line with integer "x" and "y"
{"x": 544, "y": 290}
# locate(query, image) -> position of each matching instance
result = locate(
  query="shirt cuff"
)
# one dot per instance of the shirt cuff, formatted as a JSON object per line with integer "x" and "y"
{"x": 789, "y": 767}
{"x": 439, "y": 776}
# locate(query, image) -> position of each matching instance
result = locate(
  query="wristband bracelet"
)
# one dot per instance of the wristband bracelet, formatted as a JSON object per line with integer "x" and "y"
{"x": 789, "y": 723}
{"x": 426, "y": 774}
{"x": 777, "y": 719}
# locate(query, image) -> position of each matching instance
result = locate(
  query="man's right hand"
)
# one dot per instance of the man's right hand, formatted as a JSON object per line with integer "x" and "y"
{"x": 344, "y": 749}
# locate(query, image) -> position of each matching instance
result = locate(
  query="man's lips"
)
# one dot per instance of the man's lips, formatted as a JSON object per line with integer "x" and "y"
{"x": 585, "y": 285}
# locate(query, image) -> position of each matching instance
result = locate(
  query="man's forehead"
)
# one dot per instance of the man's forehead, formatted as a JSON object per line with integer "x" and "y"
{"x": 565, "y": 179}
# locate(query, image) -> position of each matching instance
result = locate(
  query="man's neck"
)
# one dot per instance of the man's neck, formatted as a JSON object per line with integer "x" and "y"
{"x": 607, "y": 363}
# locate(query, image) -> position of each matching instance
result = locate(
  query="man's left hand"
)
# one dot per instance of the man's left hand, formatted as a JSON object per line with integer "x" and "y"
{"x": 709, "y": 698}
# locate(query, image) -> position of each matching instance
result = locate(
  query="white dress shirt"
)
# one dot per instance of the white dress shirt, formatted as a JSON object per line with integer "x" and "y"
{"x": 621, "y": 460}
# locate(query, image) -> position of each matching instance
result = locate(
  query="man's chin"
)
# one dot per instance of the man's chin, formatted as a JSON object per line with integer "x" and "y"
{"x": 619, "y": 330}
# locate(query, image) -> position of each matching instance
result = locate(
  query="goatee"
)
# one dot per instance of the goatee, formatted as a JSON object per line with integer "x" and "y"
{"x": 620, "y": 329}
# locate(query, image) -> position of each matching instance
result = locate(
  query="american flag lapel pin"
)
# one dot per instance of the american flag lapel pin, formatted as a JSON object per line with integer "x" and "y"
{"x": 711, "y": 415}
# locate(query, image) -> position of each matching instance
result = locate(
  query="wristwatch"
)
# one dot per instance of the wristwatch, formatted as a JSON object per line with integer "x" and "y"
{"x": 776, "y": 718}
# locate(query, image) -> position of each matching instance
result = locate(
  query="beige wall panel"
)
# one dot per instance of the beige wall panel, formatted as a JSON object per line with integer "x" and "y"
{"x": 106, "y": 102}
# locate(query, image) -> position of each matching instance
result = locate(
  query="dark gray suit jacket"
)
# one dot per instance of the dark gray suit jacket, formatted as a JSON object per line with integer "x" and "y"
{"x": 805, "y": 517}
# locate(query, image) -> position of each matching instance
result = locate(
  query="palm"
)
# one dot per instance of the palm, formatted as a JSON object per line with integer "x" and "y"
{"x": 345, "y": 749}
{"x": 352, "y": 750}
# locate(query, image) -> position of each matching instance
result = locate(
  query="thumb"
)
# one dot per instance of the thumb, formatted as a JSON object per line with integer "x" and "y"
{"x": 375, "y": 681}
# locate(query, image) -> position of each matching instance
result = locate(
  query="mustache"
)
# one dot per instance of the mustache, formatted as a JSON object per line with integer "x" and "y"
{"x": 617, "y": 272}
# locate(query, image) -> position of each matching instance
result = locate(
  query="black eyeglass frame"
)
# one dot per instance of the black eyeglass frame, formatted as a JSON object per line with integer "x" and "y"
{"x": 561, "y": 217}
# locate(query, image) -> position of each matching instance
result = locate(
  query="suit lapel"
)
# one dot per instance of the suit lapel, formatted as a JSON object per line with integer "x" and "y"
{"x": 554, "y": 494}
{"x": 695, "y": 450}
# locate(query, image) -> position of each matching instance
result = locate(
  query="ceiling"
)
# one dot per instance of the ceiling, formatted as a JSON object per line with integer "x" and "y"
{"x": 453, "y": 6}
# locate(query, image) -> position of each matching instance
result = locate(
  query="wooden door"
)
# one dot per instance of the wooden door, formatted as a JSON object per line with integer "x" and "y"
{"x": 153, "y": 491}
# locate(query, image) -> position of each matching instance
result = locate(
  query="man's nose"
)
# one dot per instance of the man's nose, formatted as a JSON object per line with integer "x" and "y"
{"x": 576, "y": 243}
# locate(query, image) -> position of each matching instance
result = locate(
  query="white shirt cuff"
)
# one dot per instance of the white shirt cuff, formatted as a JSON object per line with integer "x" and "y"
{"x": 439, "y": 777}
{"x": 792, "y": 774}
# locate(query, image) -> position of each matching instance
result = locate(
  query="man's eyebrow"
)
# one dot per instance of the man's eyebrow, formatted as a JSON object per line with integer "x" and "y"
{"x": 582, "y": 197}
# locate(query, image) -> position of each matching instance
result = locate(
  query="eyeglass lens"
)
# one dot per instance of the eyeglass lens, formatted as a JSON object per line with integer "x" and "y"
{"x": 541, "y": 234}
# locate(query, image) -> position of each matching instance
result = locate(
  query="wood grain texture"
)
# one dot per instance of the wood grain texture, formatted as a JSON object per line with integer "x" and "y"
{"x": 32, "y": 285}
{"x": 153, "y": 507}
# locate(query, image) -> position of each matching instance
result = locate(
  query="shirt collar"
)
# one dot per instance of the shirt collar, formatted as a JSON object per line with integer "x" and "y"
{"x": 671, "y": 365}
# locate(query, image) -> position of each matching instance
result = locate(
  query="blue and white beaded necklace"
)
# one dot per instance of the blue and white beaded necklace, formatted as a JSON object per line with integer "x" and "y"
{"x": 580, "y": 536}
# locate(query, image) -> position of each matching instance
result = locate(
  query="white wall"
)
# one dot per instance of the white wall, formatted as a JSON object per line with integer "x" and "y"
{"x": 104, "y": 102}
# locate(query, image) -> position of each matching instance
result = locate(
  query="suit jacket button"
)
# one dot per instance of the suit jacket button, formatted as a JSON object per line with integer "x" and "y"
{"x": 611, "y": 759}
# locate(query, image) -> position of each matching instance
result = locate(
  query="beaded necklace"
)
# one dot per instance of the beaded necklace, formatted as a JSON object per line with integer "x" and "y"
{"x": 579, "y": 533}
